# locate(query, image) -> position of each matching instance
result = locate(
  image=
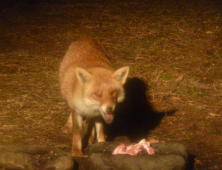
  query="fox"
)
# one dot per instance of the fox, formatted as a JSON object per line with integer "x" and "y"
{"x": 91, "y": 87}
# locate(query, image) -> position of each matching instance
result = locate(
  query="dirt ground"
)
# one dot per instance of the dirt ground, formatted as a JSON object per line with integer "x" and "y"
{"x": 174, "y": 46}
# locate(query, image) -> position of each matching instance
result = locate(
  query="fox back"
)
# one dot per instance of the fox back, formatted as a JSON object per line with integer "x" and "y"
{"x": 88, "y": 82}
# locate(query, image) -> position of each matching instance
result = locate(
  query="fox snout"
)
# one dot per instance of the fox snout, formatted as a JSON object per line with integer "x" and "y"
{"x": 107, "y": 113}
{"x": 109, "y": 110}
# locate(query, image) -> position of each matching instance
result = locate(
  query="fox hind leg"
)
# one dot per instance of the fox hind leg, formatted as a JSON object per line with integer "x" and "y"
{"x": 92, "y": 136}
{"x": 67, "y": 128}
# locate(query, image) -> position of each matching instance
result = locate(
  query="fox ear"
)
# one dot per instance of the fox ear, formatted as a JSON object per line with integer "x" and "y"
{"x": 83, "y": 75}
{"x": 121, "y": 74}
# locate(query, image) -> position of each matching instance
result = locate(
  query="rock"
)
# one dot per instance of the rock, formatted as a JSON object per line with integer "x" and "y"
{"x": 28, "y": 157}
{"x": 18, "y": 161}
{"x": 168, "y": 156}
{"x": 100, "y": 161}
{"x": 61, "y": 163}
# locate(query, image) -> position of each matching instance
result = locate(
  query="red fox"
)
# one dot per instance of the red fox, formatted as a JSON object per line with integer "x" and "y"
{"x": 91, "y": 88}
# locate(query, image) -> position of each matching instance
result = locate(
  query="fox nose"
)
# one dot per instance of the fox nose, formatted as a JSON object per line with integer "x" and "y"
{"x": 109, "y": 109}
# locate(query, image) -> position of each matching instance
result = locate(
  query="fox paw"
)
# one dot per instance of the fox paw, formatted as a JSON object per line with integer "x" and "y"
{"x": 76, "y": 153}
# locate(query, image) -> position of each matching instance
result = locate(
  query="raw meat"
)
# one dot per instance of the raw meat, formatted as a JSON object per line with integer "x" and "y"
{"x": 135, "y": 149}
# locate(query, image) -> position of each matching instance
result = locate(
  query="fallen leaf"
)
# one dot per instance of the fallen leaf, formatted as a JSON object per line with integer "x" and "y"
{"x": 175, "y": 98}
{"x": 181, "y": 30}
{"x": 179, "y": 78}
{"x": 208, "y": 32}
{"x": 214, "y": 115}
{"x": 8, "y": 127}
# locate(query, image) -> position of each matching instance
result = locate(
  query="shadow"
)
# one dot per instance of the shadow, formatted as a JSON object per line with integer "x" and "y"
{"x": 190, "y": 162}
{"x": 76, "y": 165}
{"x": 135, "y": 116}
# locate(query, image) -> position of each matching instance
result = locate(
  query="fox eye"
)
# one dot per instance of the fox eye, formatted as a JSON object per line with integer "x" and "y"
{"x": 113, "y": 92}
{"x": 97, "y": 95}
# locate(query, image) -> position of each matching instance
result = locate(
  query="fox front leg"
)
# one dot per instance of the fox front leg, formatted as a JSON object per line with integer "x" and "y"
{"x": 100, "y": 132}
{"x": 76, "y": 135}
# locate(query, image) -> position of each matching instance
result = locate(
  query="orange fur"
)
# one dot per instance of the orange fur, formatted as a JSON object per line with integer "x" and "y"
{"x": 90, "y": 86}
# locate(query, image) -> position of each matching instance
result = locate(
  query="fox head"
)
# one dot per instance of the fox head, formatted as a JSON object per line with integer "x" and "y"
{"x": 102, "y": 89}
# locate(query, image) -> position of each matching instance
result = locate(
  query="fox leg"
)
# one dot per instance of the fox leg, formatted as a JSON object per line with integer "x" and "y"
{"x": 92, "y": 136}
{"x": 67, "y": 128}
{"x": 76, "y": 136}
{"x": 100, "y": 132}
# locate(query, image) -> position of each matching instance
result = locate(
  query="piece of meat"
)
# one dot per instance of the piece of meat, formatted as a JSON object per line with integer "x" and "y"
{"x": 134, "y": 149}
{"x": 121, "y": 149}
{"x": 146, "y": 145}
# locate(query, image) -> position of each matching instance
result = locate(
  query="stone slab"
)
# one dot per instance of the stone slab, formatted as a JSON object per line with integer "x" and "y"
{"x": 34, "y": 157}
{"x": 168, "y": 156}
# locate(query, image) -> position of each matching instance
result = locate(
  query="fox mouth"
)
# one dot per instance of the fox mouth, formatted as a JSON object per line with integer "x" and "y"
{"x": 108, "y": 117}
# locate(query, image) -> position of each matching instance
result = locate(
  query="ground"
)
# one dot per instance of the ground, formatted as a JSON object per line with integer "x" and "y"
{"x": 174, "y": 46}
